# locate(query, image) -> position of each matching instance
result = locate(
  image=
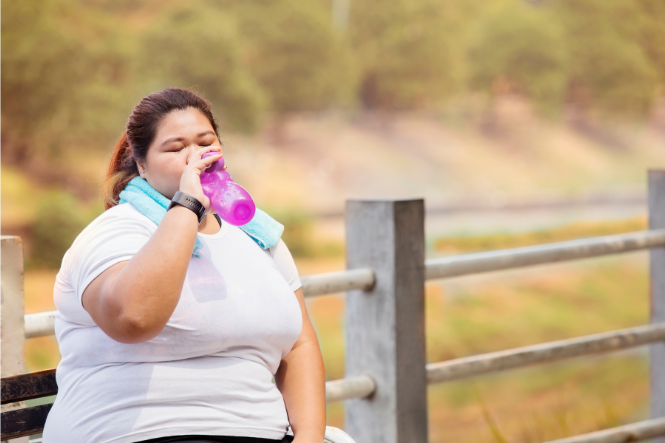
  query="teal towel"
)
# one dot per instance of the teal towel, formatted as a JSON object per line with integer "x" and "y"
{"x": 263, "y": 229}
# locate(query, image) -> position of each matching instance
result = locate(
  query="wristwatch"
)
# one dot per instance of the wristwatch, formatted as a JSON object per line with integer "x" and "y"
{"x": 189, "y": 202}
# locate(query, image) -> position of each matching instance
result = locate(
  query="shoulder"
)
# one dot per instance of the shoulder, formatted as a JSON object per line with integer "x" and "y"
{"x": 285, "y": 264}
{"x": 124, "y": 211}
{"x": 116, "y": 235}
{"x": 118, "y": 217}
{"x": 279, "y": 247}
{"x": 115, "y": 225}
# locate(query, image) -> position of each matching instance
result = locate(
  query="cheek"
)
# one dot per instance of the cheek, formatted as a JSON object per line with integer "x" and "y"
{"x": 173, "y": 164}
{"x": 177, "y": 165}
{"x": 166, "y": 170}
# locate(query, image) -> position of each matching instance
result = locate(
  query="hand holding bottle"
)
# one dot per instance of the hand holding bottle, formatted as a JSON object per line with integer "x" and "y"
{"x": 230, "y": 200}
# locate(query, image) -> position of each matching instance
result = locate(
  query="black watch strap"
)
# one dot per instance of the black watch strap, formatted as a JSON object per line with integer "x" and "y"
{"x": 189, "y": 202}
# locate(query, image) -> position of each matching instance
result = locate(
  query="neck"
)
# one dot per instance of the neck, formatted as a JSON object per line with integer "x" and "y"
{"x": 209, "y": 225}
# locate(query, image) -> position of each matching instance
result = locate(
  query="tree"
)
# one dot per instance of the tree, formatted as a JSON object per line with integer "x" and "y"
{"x": 652, "y": 34}
{"x": 198, "y": 47}
{"x": 406, "y": 51}
{"x": 63, "y": 72}
{"x": 293, "y": 52}
{"x": 607, "y": 56}
{"x": 522, "y": 45}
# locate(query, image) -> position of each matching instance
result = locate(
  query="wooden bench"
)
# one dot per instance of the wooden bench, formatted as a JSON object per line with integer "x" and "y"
{"x": 30, "y": 420}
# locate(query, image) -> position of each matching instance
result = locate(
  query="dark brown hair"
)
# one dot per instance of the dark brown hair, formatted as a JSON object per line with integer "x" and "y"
{"x": 140, "y": 132}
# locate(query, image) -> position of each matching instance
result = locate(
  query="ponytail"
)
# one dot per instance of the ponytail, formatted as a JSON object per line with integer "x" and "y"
{"x": 122, "y": 168}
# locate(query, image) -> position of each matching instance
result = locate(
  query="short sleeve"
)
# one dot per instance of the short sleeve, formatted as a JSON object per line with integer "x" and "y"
{"x": 285, "y": 264}
{"x": 115, "y": 236}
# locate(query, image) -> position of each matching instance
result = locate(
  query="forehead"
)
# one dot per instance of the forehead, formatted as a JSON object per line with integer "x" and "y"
{"x": 182, "y": 123}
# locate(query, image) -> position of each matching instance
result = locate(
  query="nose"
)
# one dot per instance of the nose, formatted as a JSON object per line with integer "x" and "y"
{"x": 191, "y": 148}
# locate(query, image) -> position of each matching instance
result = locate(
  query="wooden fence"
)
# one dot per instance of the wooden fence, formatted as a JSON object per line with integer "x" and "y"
{"x": 385, "y": 387}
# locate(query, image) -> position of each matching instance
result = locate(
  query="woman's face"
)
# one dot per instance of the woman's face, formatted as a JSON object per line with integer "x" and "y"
{"x": 178, "y": 134}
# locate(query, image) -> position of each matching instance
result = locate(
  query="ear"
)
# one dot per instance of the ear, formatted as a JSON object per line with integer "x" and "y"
{"x": 141, "y": 169}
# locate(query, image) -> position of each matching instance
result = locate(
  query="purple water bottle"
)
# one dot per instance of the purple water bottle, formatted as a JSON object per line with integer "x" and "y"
{"x": 230, "y": 200}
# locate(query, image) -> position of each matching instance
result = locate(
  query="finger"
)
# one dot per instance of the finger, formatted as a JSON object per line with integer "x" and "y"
{"x": 202, "y": 150}
{"x": 203, "y": 163}
{"x": 213, "y": 157}
{"x": 210, "y": 148}
{"x": 196, "y": 155}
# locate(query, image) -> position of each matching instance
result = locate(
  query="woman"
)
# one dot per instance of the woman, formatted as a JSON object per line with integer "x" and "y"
{"x": 161, "y": 345}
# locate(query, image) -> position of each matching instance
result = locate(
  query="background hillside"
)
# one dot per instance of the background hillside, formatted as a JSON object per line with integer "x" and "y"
{"x": 458, "y": 102}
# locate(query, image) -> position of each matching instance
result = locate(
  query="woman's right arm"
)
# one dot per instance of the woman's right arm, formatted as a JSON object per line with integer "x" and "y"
{"x": 131, "y": 301}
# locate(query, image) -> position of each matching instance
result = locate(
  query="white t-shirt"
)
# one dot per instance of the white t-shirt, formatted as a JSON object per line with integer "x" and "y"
{"x": 209, "y": 372}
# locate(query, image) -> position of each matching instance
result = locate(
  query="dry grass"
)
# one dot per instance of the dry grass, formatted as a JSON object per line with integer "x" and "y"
{"x": 467, "y": 317}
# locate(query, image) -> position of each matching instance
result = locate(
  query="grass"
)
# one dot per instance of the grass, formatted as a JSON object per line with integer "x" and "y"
{"x": 498, "y": 311}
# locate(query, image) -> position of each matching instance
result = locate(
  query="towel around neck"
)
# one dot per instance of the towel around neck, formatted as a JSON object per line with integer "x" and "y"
{"x": 263, "y": 229}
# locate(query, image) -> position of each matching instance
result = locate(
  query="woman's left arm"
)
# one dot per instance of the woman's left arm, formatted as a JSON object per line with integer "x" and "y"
{"x": 301, "y": 380}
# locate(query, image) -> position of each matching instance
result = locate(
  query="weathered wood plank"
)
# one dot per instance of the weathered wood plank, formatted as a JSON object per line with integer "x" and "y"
{"x": 13, "y": 337}
{"x": 26, "y": 421}
{"x": 27, "y": 386}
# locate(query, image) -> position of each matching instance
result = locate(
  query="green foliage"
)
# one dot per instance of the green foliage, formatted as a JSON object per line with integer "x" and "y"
{"x": 293, "y": 52}
{"x": 59, "y": 220}
{"x": 207, "y": 60}
{"x": 62, "y": 73}
{"x": 651, "y": 33}
{"x": 405, "y": 51}
{"x": 72, "y": 69}
{"x": 521, "y": 45}
{"x": 299, "y": 235}
{"x": 40, "y": 69}
{"x": 608, "y": 59}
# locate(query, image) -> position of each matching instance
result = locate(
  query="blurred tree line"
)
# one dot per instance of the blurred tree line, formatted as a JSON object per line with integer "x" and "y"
{"x": 73, "y": 69}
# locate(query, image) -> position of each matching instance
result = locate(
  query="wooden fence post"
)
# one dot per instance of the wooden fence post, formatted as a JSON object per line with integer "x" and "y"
{"x": 657, "y": 275}
{"x": 11, "y": 330}
{"x": 385, "y": 327}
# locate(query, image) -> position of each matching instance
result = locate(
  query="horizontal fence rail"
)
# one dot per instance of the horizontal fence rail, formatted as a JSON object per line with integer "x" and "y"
{"x": 476, "y": 263}
{"x": 633, "y": 432}
{"x": 39, "y": 325}
{"x": 467, "y": 367}
{"x": 340, "y": 281}
{"x": 348, "y": 388}
{"x": 43, "y": 323}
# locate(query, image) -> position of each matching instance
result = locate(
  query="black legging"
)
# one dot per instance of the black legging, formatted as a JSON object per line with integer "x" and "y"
{"x": 215, "y": 439}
